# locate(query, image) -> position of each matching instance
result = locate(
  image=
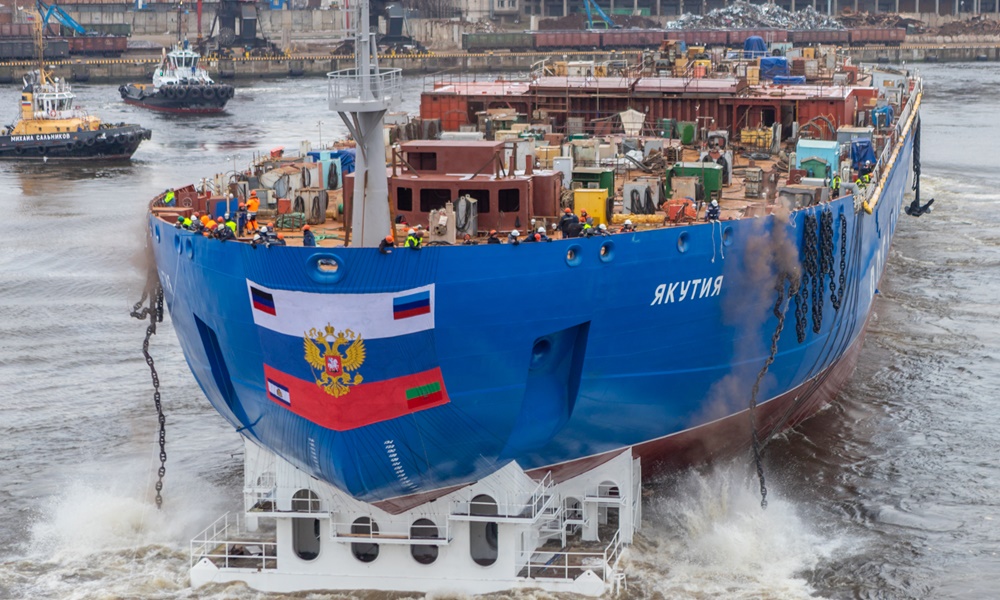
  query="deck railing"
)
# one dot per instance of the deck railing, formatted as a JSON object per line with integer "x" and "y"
{"x": 228, "y": 544}
{"x": 508, "y": 507}
{"x": 570, "y": 565}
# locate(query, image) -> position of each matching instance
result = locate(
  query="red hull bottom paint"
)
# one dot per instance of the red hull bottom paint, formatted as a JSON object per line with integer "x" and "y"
{"x": 718, "y": 439}
{"x": 186, "y": 111}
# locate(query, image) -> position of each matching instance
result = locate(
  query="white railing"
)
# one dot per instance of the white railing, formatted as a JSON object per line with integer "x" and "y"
{"x": 221, "y": 543}
{"x": 568, "y": 566}
{"x": 348, "y": 87}
{"x": 536, "y": 504}
{"x": 415, "y": 535}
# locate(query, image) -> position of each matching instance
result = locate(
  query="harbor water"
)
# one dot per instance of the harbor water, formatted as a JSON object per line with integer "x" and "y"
{"x": 893, "y": 491}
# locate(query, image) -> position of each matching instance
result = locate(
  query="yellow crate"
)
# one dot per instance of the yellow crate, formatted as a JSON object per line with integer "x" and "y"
{"x": 595, "y": 202}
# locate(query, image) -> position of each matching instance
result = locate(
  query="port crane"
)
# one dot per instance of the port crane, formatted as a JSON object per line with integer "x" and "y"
{"x": 591, "y": 6}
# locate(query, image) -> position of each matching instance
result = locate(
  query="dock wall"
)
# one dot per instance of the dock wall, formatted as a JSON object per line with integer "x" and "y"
{"x": 141, "y": 69}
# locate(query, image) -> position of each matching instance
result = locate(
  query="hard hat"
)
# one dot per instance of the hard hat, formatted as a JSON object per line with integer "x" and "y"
{"x": 281, "y": 236}
{"x": 567, "y": 210}
{"x": 541, "y": 230}
{"x": 410, "y": 231}
{"x": 227, "y": 216}
{"x": 628, "y": 221}
{"x": 263, "y": 228}
{"x": 715, "y": 202}
{"x": 253, "y": 193}
{"x": 256, "y": 237}
{"x": 493, "y": 231}
{"x": 602, "y": 226}
{"x": 515, "y": 233}
{"x": 583, "y": 212}
{"x": 242, "y": 205}
{"x": 305, "y": 227}
{"x": 220, "y": 220}
{"x": 390, "y": 238}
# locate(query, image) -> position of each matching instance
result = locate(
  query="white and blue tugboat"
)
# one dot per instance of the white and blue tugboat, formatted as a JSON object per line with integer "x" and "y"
{"x": 180, "y": 85}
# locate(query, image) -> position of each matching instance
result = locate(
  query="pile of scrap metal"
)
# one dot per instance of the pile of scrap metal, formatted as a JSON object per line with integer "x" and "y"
{"x": 743, "y": 15}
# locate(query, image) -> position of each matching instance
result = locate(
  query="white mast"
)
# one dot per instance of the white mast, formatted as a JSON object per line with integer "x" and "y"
{"x": 362, "y": 96}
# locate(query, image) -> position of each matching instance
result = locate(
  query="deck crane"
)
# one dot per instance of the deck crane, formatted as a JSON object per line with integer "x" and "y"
{"x": 48, "y": 11}
{"x": 591, "y": 5}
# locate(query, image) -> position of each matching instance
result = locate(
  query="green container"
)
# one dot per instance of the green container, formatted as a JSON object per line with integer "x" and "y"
{"x": 814, "y": 167}
{"x": 709, "y": 173}
{"x": 579, "y": 136}
{"x": 668, "y": 128}
{"x": 686, "y": 131}
{"x": 604, "y": 178}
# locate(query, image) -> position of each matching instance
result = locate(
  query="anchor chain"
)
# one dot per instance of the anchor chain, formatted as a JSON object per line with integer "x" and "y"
{"x": 826, "y": 240}
{"x": 915, "y": 209}
{"x": 779, "y": 313}
{"x": 842, "y": 280}
{"x": 154, "y": 312}
{"x": 812, "y": 267}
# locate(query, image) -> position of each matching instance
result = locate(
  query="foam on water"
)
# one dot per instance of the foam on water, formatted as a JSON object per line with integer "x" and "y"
{"x": 706, "y": 536}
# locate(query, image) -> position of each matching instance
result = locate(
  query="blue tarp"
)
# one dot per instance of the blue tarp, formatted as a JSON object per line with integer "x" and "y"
{"x": 773, "y": 66}
{"x": 754, "y": 46}
{"x": 789, "y": 80}
{"x": 882, "y": 117}
{"x": 861, "y": 150}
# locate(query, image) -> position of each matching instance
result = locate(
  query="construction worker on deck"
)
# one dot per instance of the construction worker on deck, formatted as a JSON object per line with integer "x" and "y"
{"x": 412, "y": 239}
{"x": 308, "y": 238}
{"x": 602, "y": 229}
{"x": 253, "y": 205}
{"x": 513, "y": 237}
{"x": 231, "y": 224}
{"x": 493, "y": 239}
{"x": 387, "y": 244}
{"x": 221, "y": 231}
{"x": 241, "y": 219}
{"x": 627, "y": 227}
{"x": 279, "y": 240}
{"x": 713, "y": 211}
{"x": 168, "y": 197}
{"x": 540, "y": 235}
{"x": 567, "y": 218}
{"x": 835, "y": 186}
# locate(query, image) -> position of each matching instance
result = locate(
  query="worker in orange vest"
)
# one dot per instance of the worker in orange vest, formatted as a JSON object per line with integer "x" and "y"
{"x": 253, "y": 204}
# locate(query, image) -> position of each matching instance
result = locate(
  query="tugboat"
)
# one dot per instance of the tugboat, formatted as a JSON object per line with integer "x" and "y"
{"x": 50, "y": 127}
{"x": 180, "y": 85}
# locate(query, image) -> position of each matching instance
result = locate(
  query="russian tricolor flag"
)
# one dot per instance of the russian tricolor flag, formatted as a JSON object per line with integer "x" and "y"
{"x": 411, "y": 305}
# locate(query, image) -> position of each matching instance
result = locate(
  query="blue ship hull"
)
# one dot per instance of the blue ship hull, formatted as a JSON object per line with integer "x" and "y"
{"x": 548, "y": 354}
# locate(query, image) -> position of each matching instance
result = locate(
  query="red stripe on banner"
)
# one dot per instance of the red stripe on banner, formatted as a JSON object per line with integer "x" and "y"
{"x": 425, "y": 401}
{"x": 363, "y": 405}
{"x": 264, "y": 308}
{"x": 403, "y": 314}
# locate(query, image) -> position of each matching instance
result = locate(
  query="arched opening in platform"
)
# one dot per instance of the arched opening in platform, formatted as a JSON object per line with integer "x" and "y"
{"x": 608, "y": 513}
{"x": 305, "y": 532}
{"x": 424, "y": 554}
{"x": 483, "y": 546}
{"x": 364, "y": 551}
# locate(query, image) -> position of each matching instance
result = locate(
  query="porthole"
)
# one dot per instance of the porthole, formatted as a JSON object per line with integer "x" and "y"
{"x": 573, "y": 257}
{"x": 607, "y": 251}
{"x": 189, "y": 248}
{"x": 156, "y": 233}
{"x": 727, "y": 236}
{"x": 177, "y": 243}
